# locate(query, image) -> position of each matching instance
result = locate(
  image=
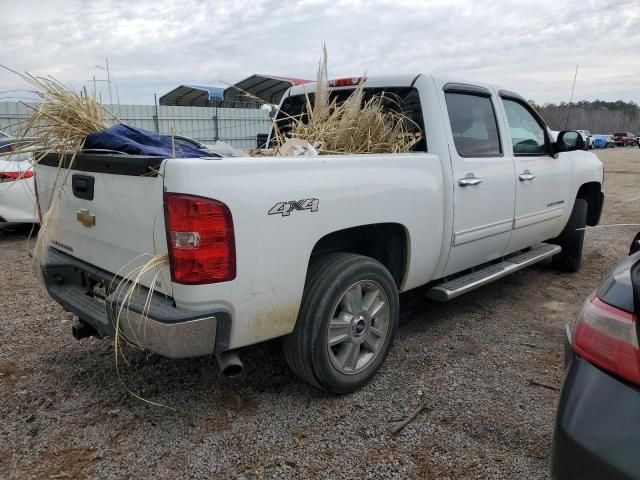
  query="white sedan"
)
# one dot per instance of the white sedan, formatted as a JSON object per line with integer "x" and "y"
{"x": 17, "y": 194}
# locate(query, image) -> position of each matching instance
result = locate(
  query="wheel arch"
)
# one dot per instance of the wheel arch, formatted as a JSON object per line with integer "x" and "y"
{"x": 387, "y": 243}
{"x": 592, "y": 193}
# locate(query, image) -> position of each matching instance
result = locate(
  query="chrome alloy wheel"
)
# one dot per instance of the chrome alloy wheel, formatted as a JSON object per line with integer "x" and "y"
{"x": 359, "y": 327}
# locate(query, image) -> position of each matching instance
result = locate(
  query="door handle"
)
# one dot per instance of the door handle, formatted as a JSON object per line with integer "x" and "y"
{"x": 526, "y": 176}
{"x": 469, "y": 181}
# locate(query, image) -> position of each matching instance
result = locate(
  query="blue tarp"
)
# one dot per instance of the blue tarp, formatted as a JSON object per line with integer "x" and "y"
{"x": 137, "y": 141}
{"x": 600, "y": 142}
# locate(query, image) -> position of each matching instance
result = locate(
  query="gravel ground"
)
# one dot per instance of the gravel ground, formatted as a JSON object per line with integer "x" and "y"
{"x": 65, "y": 413}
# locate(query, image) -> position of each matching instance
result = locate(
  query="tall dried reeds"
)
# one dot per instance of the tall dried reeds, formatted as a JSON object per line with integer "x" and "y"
{"x": 352, "y": 126}
{"x": 60, "y": 123}
{"x": 125, "y": 287}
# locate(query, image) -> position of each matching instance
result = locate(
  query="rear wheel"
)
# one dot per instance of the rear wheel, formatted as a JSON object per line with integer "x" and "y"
{"x": 572, "y": 239}
{"x": 347, "y": 323}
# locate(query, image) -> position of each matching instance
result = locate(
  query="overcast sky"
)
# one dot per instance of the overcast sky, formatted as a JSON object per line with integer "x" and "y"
{"x": 530, "y": 47}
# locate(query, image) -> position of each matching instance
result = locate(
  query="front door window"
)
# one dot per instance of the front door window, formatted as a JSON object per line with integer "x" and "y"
{"x": 527, "y": 135}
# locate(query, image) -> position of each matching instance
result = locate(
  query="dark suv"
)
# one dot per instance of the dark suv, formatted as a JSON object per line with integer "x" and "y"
{"x": 597, "y": 434}
{"x": 624, "y": 139}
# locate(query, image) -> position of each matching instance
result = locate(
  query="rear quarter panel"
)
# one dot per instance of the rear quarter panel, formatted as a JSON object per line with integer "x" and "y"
{"x": 273, "y": 251}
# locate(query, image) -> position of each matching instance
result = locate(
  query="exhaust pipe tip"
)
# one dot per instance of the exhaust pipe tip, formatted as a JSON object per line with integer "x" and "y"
{"x": 230, "y": 364}
{"x": 233, "y": 371}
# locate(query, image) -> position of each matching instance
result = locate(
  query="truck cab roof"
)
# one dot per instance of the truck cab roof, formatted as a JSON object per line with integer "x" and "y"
{"x": 382, "y": 81}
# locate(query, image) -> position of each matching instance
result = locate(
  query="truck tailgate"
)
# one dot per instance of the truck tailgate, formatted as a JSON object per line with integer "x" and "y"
{"x": 111, "y": 211}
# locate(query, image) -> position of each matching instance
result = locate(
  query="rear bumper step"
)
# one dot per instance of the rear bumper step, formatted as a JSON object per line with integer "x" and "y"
{"x": 160, "y": 327}
{"x": 470, "y": 281}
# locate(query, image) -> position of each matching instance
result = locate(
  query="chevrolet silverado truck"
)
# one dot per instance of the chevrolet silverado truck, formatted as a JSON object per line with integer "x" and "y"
{"x": 317, "y": 249}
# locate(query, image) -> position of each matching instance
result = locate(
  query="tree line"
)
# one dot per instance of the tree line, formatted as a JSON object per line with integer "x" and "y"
{"x": 596, "y": 116}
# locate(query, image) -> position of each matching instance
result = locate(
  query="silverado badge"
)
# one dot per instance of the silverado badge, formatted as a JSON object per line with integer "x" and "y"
{"x": 85, "y": 218}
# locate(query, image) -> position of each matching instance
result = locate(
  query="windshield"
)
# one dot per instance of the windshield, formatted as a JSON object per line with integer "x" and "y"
{"x": 404, "y": 100}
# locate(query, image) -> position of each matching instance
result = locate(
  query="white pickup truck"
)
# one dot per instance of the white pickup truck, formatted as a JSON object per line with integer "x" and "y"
{"x": 316, "y": 249}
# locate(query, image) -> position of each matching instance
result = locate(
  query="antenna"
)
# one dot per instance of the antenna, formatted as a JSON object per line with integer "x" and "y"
{"x": 566, "y": 125}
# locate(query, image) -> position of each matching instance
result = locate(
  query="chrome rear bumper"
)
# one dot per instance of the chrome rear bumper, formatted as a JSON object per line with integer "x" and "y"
{"x": 156, "y": 325}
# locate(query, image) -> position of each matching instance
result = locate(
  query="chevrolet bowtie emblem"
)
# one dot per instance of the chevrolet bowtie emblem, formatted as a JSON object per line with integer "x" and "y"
{"x": 85, "y": 218}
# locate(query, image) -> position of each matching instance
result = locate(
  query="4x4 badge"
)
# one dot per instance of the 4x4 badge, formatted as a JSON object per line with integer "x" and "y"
{"x": 285, "y": 208}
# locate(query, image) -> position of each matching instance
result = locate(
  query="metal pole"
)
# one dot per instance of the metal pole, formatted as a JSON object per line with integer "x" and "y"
{"x": 566, "y": 125}
{"x": 215, "y": 125}
{"x": 155, "y": 116}
{"x": 109, "y": 81}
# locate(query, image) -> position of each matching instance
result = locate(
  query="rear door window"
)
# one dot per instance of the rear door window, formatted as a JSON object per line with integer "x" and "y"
{"x": 474, "y": 125}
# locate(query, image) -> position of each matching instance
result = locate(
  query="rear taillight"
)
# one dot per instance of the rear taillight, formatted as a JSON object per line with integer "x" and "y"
{"x": 607, "y": 337}
{"x": 13, "y": 176}
{"x": 200, "y": 239}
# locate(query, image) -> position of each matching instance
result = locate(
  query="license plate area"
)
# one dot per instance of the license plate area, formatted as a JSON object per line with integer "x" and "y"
{"x": 99, "y": 291}
{"x": 98, "y": 288}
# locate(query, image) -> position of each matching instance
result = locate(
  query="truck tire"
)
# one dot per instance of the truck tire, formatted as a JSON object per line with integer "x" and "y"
{"x": 572, "y": 239}
{"x": 346, "y": 325}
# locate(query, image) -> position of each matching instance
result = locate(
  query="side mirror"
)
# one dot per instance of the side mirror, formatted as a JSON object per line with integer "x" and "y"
{"x": 569, "y": 141}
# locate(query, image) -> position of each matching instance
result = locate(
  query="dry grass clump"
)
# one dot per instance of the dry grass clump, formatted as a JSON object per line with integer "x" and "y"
{"x": 63, "y": 118}
{"x": 125, "y": 290}
{"x": 353, "y": 126}
{"x": 59, "y": 123}
{"x": 348, "y": 129}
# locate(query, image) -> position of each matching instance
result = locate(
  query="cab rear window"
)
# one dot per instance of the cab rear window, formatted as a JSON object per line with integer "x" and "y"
{"x": 404, "y": 100}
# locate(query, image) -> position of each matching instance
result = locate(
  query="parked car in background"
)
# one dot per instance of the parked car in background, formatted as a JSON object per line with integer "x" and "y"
{"x": 587, "y": 137}
{"x": 598, "y": 421}
{"x": 624, "y": 139}
{"x": 17, "y": 198}
{"x": 603, "y": 141}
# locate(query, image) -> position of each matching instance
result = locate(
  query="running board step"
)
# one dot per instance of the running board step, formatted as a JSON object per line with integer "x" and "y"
{"x": 465, "y": 283}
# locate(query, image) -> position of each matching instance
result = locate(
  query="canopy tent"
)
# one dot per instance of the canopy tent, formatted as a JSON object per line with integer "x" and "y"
{"x": 251, "y": 92}
{"x": 193, "y": 96}
{"x": 268, "y": 88}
